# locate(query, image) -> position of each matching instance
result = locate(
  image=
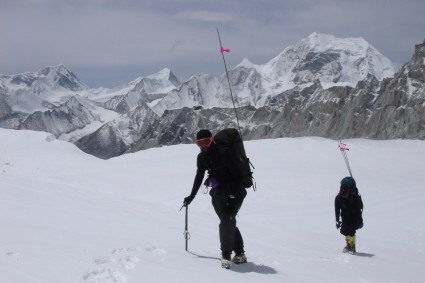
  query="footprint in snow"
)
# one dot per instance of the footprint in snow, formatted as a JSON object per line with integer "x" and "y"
{"x": 113, "y": 268}
{"x": 13, "y": 255}
{"x": 105, "y": 275}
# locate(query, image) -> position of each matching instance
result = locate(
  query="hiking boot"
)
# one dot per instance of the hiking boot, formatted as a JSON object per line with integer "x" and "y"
{"x": 225, "y": 260}
{"x": 350, "y": 250}
{"x": 351, "y": 244}
{"x": 239, "y": 259}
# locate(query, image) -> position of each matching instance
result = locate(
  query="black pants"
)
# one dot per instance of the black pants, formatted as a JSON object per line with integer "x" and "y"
{"x": 227, "y": 206}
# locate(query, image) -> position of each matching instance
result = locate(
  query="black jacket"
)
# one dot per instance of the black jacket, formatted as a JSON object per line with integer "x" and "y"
{"x": 349, "y": 206}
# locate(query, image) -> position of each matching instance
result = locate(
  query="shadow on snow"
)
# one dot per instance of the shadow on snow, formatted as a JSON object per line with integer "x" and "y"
{"x": 243, "y": 268}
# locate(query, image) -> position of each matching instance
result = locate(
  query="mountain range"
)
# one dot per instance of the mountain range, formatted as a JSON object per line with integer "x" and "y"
{"x": 323, "y": 86}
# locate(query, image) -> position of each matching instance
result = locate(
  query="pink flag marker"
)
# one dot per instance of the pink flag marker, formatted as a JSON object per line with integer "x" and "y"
{"x": 224, "y": 50}
{"x": 342, "y": 147}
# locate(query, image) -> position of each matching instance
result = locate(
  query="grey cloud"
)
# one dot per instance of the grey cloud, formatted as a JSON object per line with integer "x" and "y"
{"x": 145, "y": 36}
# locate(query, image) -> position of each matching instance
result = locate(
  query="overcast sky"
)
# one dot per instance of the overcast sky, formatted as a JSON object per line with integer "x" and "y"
{"x": 111, "y": 42}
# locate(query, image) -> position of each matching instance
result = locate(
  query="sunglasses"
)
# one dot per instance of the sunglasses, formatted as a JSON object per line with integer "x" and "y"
{"x": 204, "y": 143}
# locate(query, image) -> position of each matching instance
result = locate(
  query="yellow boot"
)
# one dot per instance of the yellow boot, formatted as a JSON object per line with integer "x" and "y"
{"x": 351, "y": 244}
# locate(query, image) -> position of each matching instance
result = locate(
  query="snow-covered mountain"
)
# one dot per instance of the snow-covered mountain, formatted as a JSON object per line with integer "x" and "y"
{"x": 149, "y": 90}
{"x": 388, "y": 109}
{"x": 72, "y": 116}
{"x": 29, "y": 92}
{"x": 322, "y": 86}
{"x": 150, "y": 87}
{"x": 331, "y": 60}
{"x": 68, "y": 109}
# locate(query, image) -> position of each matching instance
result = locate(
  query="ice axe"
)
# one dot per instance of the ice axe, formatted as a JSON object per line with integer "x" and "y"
{"x": 186, "y": 234}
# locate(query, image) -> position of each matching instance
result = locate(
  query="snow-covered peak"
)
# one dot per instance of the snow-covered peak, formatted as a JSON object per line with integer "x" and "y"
{"x": 103, "y": 94}
{"x": 356, "y": 52}
{"x": 35, "y": 91}
{"x": 163, "y": 81}
{"x": 332, "y": 60}
{"x": 320, "y": 42}
{"x": 48, "y": 79}
{"x": 164, "y": 74}
{"x": 319, "y": 57}
{"x": 60, "y": 77}
{"x": 149, "y": 88}
{"x": 52, "y": 71}
{"x": 246, "y": 64}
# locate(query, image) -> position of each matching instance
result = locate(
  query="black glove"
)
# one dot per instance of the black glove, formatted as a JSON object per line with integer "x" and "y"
{"x": 188, "y": 200}
{"x": 338, "y": 224}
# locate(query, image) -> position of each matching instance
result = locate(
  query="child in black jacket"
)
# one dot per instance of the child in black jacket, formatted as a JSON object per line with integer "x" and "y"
{"x": 349, "y": 205}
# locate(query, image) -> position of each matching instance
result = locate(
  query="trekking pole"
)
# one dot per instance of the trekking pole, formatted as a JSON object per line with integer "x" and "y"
{"x": 343, "y": 148}
{"x": 222, "y": 50}
{"x": 186, "y": 232}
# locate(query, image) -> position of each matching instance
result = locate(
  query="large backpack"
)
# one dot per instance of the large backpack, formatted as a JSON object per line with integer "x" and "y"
{"x": 359, "y": 206}
{"x": 356, "y": 204}
{"x": 229, "y": 142}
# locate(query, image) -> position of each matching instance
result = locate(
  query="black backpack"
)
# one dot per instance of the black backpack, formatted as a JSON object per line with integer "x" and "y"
{"x": 357, "y": 205}
{"x": 230, "y": 145}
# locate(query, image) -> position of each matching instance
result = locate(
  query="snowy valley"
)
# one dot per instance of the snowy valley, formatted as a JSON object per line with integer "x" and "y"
{"x": 70, "y": 217}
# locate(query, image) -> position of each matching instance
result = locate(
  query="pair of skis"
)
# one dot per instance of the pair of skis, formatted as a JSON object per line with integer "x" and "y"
{"x": 343, "y": 148}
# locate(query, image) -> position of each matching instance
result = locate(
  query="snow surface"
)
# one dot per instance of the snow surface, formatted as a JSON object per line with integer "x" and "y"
{"x": 70, "y": 217}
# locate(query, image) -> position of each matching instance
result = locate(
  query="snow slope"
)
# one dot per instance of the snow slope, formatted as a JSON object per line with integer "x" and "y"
{"x": 68, "y": 217}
